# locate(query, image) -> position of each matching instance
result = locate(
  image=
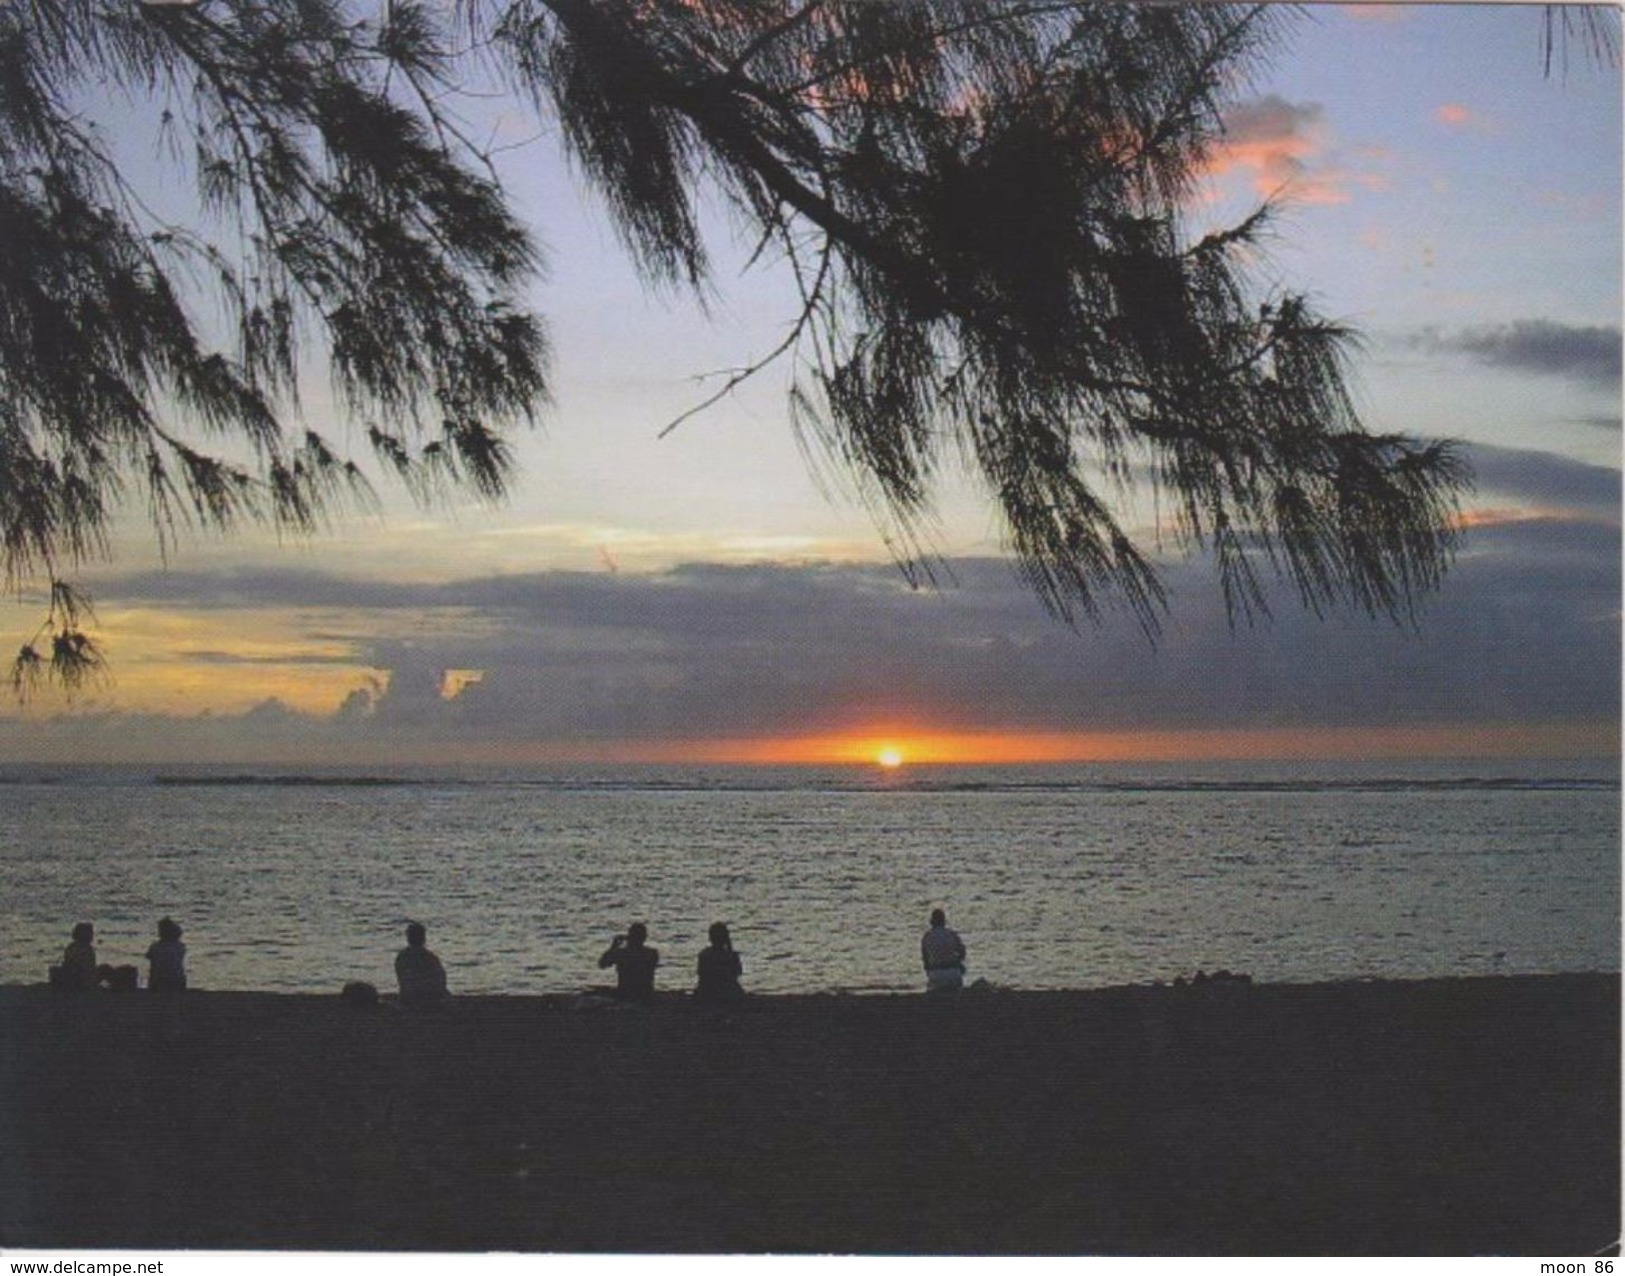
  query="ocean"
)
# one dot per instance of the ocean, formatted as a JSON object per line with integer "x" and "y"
{"x": 1056, "y": 876}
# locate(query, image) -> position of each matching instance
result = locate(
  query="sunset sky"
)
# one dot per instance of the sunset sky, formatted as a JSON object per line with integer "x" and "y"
{"x": 707, "y": 596}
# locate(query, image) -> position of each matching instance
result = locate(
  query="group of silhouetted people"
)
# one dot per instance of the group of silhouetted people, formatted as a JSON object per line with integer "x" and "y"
{"x": 80, "y": 971}
{"x": 421, "y": 977}
{"x": 719, "y": 967}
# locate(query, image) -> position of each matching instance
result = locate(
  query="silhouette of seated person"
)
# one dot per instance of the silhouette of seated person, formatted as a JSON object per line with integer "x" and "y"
{"x": 79, "y": 971}
{"x": 719, "y": 968}
{"x": 418, "y": 971}
{"x": 634, "y": 962}
{"x": 942, "y": 952}
{"x": 166, "y": 960}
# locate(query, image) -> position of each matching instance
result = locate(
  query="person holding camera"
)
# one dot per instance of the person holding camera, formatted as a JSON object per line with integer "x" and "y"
{"x": 634, "y": 962}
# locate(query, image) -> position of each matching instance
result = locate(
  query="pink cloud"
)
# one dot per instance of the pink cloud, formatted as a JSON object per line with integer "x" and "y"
{"x": 1461, "y": 118}
{"x": 1271, "y": 139}
{"x": 1282, "y": 148}
{"x": 1375, "y": 12}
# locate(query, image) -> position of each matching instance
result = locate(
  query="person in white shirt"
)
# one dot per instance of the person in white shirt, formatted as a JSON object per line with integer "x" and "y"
{"x": 943, "y": 953}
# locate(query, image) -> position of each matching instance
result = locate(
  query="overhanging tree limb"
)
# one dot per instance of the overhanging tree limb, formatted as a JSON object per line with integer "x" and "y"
{"x": 980, "y": 201}
{"x": 1000, "y": 184}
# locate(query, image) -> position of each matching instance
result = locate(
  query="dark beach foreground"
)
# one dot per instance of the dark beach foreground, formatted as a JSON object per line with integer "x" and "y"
{"x": 1439, "y": 1117}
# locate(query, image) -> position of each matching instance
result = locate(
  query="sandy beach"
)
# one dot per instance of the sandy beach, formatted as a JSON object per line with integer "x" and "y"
{"x": 1437, "y": 1117}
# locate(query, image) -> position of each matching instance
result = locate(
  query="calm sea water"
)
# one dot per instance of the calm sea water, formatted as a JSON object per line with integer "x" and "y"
{"x": 1055, "y": 876}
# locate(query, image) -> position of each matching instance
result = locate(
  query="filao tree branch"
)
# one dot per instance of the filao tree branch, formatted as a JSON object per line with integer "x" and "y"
{"x": 980, "y": 204}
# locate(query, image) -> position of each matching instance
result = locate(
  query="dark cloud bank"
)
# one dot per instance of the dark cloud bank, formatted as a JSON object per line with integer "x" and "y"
{"x": 1591, "y": 355}
{"x": 1527, "y": 629}
{"x": 1568, "y": 489}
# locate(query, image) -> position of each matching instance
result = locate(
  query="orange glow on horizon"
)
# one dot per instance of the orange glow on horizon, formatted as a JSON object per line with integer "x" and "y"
{"x": 1597, "y": 739}
{"x": 993, "y": 748}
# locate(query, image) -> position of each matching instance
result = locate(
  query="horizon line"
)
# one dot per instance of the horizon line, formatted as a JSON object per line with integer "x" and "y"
{"x": 898, "y": 745}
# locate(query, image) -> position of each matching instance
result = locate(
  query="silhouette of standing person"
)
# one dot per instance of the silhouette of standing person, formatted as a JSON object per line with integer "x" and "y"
{"x": 943, "y": 953}
{"x": 719, "y": 968}
{"x": 418, "y": 971}
{"x": 166, "y": 960}
{"x": 634, "y": 963}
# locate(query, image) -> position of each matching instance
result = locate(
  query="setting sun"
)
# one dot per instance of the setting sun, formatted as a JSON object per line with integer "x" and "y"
{"x": 889, "y": 757}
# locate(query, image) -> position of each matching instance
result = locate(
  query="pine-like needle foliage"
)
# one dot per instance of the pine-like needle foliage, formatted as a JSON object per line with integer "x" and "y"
{"x": 981, "y": 202}
{"x": 333, "y": 202}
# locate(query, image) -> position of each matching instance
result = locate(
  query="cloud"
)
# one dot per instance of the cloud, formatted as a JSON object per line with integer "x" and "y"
{"x": 1459, "y": 118}
{"x": 1376, "y": 12}
{"x": 247, "y": 588}
{"x": 1283, "y": 147}
{"x": 204, "y": 656}
{"x": 1553, "y": 485}
{"x": 1526, "y": 630}
{"x": 1587, "y": 354}
{"x": 1611, "y": 424}
{"x": 1273, "y": 140}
